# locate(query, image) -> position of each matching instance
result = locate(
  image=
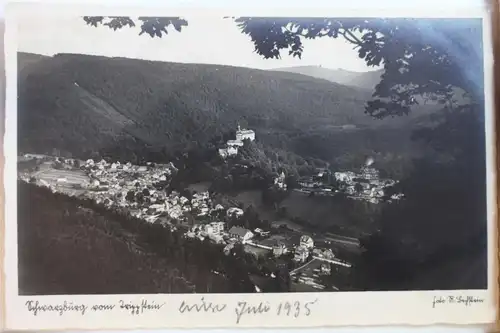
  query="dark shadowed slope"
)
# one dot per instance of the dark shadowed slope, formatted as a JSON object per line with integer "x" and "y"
{"x": 364, "y": 80}
{"x": 67, "y": 247}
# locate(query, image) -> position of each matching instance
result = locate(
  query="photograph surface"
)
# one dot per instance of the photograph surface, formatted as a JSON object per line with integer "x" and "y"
{"x": 255, "y": 155}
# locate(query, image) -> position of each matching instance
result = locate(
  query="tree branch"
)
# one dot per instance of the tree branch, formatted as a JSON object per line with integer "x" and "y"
{"x": 354, "y": 40}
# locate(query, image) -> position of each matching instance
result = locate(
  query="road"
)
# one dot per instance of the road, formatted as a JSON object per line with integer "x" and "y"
{"x": 340, "y": 239}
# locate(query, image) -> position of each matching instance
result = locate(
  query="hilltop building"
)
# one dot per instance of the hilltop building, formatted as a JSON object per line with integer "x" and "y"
{"x": 231, "y": 147}
{"x": 245, "y": 134}
{"x": 237, "y": 143}
{"x": 229, "y": 151}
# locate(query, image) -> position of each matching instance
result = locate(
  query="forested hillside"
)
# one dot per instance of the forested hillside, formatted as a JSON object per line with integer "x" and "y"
{"x": 365, "y": 80}
{"x": 84, "y": 104}
{"x": 72, "y": 246}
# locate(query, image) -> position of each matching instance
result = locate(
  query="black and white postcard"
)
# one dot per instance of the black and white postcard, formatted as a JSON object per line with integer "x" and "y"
{"x": 203, "y": 167}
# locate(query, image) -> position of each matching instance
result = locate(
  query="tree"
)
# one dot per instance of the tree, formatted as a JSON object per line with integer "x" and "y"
{"x": 450, "y": 51}
{"x": 292, "y": 182}
{"x": 130, "y": 196}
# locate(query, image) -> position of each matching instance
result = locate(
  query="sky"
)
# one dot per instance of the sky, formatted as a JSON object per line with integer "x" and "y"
{"x": 205, "y": 40}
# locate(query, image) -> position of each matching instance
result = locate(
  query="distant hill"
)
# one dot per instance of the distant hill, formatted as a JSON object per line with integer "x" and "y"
{"x": 82, "y": 104}
{"x": 27, "y": 60}
{"x": 365, "y": 80}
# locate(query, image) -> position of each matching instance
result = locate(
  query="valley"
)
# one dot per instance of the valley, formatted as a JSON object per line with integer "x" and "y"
{"x": 150, "y": 155}
{"x": 142, "y": 110}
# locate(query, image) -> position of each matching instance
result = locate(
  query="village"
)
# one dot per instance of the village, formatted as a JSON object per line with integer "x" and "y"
{"x": 365, "y": 185}
{"x": 139, "y": 189}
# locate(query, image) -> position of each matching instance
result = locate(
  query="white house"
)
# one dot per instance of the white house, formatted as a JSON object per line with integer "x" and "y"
{"x": 279, "y": 249}
{"x": 301, "y": 254}
{"x": 323, "y": 254}
{"x": 223, "y": 152}
{"x": 376, "y": 192}
{"x": 245, "y": 134}
{"x": 151, "y": 218}
{"x": 280, "y": 181}
{"x": 217, "y": 227}
{"x": 203, "y": 211}
{"x": 240, "y": 234}
{"x": 201, "y": 196}
{"x": 229, "y": 151}
{"x": 397, "y": 196}
{"x": 158, "y": 207}
{"x": 228, "y": 248}
{"x": 235, "y": 143}
{"x": 261, "y": 232}
{"x": 344, "y": 176}
{"x": 208, "y": 229}
{"x": 235, "y": 211}
{"x": 325, "y": 269}
{"x": 232, "y": 150}
{"x": 216, "y": 238}
{"x": 306, "y": 242}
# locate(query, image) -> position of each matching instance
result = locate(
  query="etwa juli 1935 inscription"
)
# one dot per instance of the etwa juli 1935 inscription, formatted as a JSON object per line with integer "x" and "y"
{"x": 242, "y": 309}
{"x": 245, "y": 169}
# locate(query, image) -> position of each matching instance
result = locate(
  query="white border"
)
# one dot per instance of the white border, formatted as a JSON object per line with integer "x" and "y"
{"x": 338, "y": 309}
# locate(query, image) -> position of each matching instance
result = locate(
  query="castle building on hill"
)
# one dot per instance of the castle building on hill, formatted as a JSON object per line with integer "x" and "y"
{"x": 235, "y": 143}
{"x": 244, "y": 134}
{"x": 229, "y": 151}
{"x": 231, "y": 148}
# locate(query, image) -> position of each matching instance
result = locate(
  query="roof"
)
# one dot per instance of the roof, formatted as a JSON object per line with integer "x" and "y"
{"x": 234, "y": 142}
{"x": 306, "y": 239}
{"x": 239, "y": 231}
{"x": 245, "y": 131}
